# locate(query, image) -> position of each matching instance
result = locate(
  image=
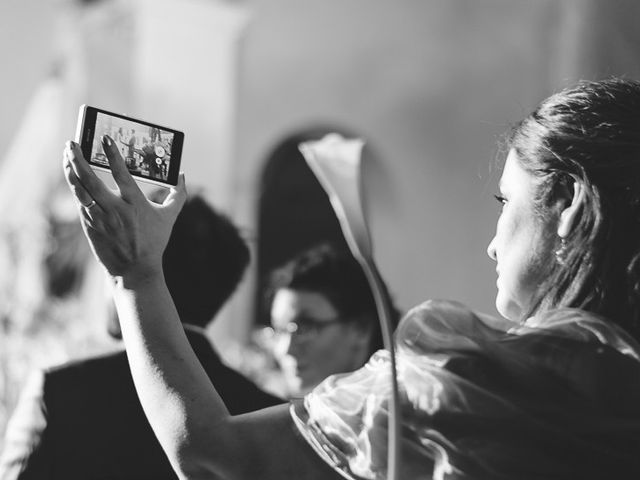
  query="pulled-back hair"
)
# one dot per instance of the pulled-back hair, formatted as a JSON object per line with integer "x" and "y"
{"x": 333, "y": 272}
{"x": 590, "y": 133}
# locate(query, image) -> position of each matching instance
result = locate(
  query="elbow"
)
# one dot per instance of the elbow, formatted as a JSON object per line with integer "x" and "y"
{"x": 195, "y": 472}
{"x": 196, "y": 454}
{"x": 196, "y": 467}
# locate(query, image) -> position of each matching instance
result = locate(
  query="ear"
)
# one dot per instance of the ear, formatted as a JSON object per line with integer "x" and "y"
{"x": 570, "y": 214}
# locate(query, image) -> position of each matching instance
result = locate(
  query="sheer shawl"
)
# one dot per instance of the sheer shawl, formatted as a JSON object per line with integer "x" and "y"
{"x": 555, "y": 398}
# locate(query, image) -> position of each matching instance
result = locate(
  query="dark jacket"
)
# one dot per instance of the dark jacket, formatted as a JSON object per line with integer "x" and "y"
{"x": 83, "y": 420}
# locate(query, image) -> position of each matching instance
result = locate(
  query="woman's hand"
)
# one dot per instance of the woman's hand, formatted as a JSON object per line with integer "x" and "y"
{"x": 127, "y": 232}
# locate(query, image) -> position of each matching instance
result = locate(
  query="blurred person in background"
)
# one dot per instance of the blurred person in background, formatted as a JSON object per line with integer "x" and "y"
{"x": 83, "y": 419}
{"x": 120, "y": 140}
{"x": 323, "y": 315}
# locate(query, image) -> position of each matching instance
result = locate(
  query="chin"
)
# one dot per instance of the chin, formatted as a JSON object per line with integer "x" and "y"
{"x": 508, "y": 308}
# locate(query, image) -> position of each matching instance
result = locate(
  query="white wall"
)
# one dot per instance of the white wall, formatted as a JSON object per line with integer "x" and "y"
{"x": 429, "y": 84}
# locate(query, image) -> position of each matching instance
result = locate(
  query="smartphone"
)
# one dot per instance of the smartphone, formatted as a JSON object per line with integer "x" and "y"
{"x": 152, "y": 152}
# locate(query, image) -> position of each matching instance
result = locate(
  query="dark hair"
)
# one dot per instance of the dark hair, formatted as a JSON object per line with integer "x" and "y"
{"x": 204, "y": 261}
{"x": 333, "y": 272}
{"x": 590, "y": 133}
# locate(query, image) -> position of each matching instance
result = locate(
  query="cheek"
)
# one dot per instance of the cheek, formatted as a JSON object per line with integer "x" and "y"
{"x": 325, "y": 347}
{"x": 330, "y": 351}
{"x": 522, "y": 262}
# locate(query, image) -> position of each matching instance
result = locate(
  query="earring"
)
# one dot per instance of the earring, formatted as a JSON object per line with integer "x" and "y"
{"x": 561, "y": 253}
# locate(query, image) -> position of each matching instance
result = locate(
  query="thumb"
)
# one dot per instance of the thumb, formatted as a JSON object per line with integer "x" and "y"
{"x": 177, "y": 196}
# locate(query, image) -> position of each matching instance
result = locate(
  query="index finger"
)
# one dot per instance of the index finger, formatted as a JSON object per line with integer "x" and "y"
{"x": 93, "y": 186}
{"x": 127, "y": 185}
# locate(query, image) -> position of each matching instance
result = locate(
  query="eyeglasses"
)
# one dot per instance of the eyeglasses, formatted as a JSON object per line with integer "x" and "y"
{"x": 304, "y": 327}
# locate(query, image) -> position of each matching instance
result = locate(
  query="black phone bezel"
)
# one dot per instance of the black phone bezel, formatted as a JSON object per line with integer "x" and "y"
{"x": 87, "y": 137}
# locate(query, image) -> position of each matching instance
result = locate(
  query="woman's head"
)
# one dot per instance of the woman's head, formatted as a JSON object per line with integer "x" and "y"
{"x": 523, "y": 243}
{"x": 581, "y": 150}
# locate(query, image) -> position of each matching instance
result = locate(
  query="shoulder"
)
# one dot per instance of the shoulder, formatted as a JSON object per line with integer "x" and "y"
{"x": 80, "y": 377}
{"x": 198, "y": 339}
{"x": 85, "y": 366}
{"x": 238, "y": 392}
{"x": 446, "y": 324}
{"x": 451, "y": 312}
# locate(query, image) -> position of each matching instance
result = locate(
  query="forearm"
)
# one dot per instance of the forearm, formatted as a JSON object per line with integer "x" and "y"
{"x": 128, "y": 234}
{"x": 192, "y": 424}
{"x": 181, "y": 405}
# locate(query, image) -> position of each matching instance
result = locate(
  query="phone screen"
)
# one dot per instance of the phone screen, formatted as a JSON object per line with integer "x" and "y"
{"x": 150, "y": 152}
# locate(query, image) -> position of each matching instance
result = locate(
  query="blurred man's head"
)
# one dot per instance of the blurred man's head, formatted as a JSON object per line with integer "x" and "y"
{"x": 203, "y": 263}
{"x": 324, "y": 316}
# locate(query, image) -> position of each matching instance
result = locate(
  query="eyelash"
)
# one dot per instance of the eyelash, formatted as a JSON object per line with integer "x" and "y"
{"x": 500, "y": 199}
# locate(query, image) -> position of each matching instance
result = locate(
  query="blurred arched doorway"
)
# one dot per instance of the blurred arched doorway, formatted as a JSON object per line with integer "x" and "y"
{"x": 294, "y": 211}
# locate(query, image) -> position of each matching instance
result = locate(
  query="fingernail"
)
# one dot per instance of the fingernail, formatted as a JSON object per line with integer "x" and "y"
{"x": 106, "y": 140}
{"x": 68, "y": 144}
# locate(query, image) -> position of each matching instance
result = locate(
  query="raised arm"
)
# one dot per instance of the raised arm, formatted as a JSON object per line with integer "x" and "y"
{"x": 128, "y": 234}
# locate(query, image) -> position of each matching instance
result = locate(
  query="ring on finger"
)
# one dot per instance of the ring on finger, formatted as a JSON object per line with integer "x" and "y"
{"x": 90, "y": 205}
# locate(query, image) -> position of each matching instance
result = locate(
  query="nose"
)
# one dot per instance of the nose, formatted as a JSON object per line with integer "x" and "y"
{"x": 491, "y": 249}
{"x": 293, "y": 348}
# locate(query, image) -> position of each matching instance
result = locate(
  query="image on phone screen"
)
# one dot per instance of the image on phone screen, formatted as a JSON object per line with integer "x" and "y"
{"x": 146, "y": 149}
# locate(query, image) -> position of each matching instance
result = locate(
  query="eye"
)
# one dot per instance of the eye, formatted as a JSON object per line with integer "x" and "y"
{"x": 304, "y": 328}
{"x": 500, "y": 199}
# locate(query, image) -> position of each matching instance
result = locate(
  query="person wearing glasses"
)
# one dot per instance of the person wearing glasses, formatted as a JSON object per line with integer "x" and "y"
{"x": 323, "y": 315}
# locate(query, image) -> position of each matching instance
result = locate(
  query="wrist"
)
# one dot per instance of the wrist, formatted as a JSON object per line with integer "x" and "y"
{"x": 140, "y": 276}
